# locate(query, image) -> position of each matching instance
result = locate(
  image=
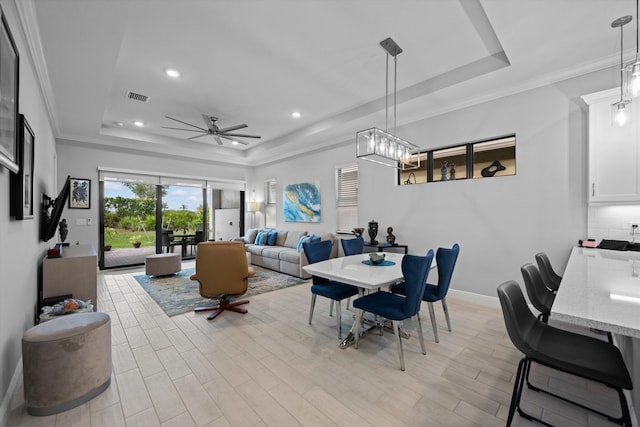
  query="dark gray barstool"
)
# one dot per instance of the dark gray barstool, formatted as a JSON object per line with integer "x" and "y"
{"x": 540, "y": 296}
{"x": 550, "y": 277}
{"x": 599, "y": 361}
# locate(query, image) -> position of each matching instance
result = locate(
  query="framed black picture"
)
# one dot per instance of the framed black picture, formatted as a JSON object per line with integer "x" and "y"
{"x": 80, "y": 197}
{"x": 8, "y": 98}
{"x": 22, "y": 182}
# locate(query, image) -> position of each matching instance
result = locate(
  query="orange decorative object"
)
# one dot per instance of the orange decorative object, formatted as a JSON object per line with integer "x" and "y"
{"x": 71, "y": 305}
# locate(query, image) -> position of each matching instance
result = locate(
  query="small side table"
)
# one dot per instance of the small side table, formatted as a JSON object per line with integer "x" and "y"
{"x": 381, "y": 247}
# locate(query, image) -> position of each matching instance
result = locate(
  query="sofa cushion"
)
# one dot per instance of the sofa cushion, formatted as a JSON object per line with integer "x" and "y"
{"x": 255, "y": 249}
{"x": 290, "y": 255}
{"x": 282, "y": 237}
{"x": 273, "y": 251}
{"x": 293, "y": 237}
{"x": 251, "y": 234}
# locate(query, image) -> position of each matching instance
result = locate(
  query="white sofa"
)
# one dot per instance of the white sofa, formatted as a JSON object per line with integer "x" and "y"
{"x": 284, "y": 256}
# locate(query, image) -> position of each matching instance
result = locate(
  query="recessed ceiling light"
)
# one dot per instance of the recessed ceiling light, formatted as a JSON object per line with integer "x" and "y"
{"x": 234, "y": 142}
{"x": 139, "y": 123}
{"x": 172, "y": 72}
{"x": 296, "y": 114}
{"x": 118, "y": 124}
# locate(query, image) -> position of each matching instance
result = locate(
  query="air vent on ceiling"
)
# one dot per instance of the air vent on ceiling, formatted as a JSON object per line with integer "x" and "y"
{"x": 136, "y": 96}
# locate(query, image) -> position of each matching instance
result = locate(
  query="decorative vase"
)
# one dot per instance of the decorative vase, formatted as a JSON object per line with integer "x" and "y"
{"x": 373, "y": 231}
{"x": 452, "y": 171}
{"x": 136, "y": 244}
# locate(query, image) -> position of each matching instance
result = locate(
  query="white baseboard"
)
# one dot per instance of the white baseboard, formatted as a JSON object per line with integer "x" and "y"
{"x": 475, "y": 298}
{"x": 5, "y": 406}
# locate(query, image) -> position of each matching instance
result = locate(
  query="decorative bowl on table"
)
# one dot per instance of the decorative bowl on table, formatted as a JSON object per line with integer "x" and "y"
{"x": 358, "y": 231}
{"x": 376, "y": 258}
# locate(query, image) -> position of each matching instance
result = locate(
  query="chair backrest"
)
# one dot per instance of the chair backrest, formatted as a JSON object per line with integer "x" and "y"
{"x": 353, "y": 246}
{"x": 415, "y": 270}
{"x": 446, "y": 261}
{"x": 521, "y": 324}
{"x": 199, "y": 237}
{"x": 316, "y": 252}
{"x": 165, "y": 238}
{"x": 221, "y": 268}
{"x": 538, "y": 293}
{"x": 551, "y": 279}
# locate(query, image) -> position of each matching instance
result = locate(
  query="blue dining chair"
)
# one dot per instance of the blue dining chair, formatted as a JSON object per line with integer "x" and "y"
{"x": 334, "y": 290}
{"x": 394, "y": 307}
{"x": 353, "y": 246}
{"x": 446, "y": 262}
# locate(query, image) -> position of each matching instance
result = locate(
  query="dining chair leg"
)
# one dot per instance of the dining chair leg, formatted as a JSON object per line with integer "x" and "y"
{"x": 446, "y": 313}
{"x": 339, "y": 319}
{"x": 432, "y": 315}
{"x": 396, "y": 332}
{"x": 356, "y": 327}
{"x": 313, "y": 304}
{"x": 420, "y": 335}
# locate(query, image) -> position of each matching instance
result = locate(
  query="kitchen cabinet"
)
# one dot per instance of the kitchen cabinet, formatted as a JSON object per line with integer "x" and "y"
{"x": 614, "y": 154}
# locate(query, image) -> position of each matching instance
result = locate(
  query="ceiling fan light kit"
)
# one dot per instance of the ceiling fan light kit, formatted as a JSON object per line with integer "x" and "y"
{"x": 213, "y": 130}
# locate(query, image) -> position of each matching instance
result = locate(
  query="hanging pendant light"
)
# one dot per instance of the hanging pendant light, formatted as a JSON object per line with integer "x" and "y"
{"x": 620, "y": 110}
{"x": 381, "y": 146}
{"x": 632, "y": 69}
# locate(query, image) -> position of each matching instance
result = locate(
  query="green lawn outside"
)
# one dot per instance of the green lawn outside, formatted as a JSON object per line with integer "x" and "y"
{"x": 119, "y": 238}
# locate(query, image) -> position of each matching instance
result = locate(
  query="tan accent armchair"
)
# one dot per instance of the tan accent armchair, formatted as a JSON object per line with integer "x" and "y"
{"x": 223, "y": 273}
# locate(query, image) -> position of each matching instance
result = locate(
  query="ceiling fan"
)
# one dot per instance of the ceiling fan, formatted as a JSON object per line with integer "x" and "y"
{"x": 213, "y": 129}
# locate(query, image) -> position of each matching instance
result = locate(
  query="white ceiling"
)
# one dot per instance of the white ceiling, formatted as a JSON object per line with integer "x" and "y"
{"x": 256, "y": 61}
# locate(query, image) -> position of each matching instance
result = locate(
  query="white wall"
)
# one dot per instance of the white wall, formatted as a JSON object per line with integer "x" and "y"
{"x": 21, "y": 252}
{"x": 82, "y": 162}
{"x": 501, "y": 222}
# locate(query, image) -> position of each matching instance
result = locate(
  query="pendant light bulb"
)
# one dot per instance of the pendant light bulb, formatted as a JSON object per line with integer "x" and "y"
{"x": 620, "y": 109}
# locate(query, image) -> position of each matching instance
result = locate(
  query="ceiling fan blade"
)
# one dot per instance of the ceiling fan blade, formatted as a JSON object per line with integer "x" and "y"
{"x": 185, "y": 123}
{"x": 188, "y": 130}
{"x": 198, "y": 136}
{"x": 232, "y": 128}
{"x": 218, "y": 140}
{"x": 240, "y": 135}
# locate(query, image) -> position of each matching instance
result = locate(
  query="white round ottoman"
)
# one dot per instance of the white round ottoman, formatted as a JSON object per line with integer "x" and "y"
{"x": 66, "y": 362}
{"x": 162, "y": 264}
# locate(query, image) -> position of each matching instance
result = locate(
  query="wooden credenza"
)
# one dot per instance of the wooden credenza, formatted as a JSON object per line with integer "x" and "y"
{"x": 75, "y": 273}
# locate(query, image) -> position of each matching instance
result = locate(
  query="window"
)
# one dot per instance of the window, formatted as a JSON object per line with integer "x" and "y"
{"x": 270, "y": 203}
{"x": 346, "y": 198}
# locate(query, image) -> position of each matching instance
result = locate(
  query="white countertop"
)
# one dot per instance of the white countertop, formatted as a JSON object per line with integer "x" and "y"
{"x": 600, "y": 289}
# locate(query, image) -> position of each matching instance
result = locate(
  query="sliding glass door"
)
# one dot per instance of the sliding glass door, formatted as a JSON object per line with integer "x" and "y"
{"x": 129, "y": 223}
{"x": 142, "y": 215}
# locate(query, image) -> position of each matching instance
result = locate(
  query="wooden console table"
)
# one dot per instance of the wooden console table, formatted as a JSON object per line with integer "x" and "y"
{"x": 75, "y": 273}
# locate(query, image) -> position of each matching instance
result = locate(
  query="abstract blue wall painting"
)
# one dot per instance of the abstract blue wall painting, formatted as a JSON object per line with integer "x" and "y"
{"x": 302, "y": 202}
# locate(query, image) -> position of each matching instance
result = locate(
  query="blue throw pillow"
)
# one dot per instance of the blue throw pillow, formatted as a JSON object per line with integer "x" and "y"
{"x": 272, "y": 237}
{"x": 301, "y": 241}
{"x": 258, "y": 237}
{"x": 263, "y": 238}
{"x": 315, "y": 238}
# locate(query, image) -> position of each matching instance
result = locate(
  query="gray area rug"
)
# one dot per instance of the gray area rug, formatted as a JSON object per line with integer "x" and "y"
{"x": 178, "y": 294}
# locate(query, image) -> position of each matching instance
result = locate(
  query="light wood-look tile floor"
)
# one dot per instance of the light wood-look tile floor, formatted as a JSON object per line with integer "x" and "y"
{"x": 271, "y": 368}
